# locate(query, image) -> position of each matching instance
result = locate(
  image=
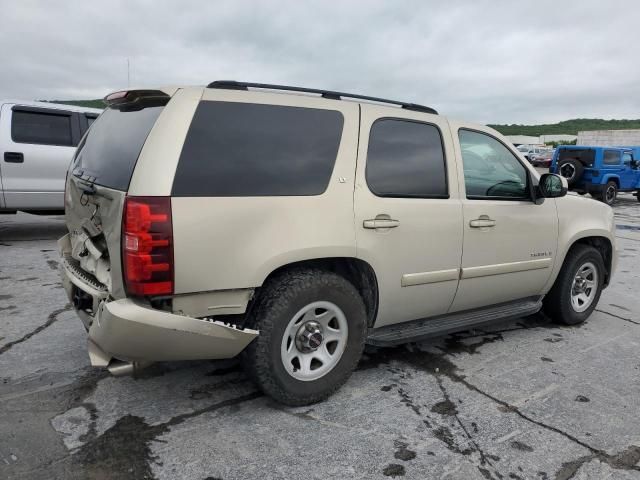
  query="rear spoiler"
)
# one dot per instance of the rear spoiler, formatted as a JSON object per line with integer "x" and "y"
{"x": 133, "y": 100}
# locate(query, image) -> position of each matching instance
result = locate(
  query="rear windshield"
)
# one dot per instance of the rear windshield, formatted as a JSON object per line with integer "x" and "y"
{"x": 111, "y": 147}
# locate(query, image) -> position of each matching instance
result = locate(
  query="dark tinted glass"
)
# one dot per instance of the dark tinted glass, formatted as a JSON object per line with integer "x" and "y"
{"x": 405, "y": 159}
{"x": 245, "y": 149}
{"x": 611, "y": 157}
{"x": 41, "y": 128}
{"x": 111, "y": 147}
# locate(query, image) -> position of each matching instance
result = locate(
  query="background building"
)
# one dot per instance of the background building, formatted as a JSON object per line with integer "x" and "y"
{"x": 539, "y": 140}
{"x": 609, "y": 138}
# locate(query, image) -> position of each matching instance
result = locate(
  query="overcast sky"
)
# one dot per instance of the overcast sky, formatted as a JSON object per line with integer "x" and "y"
{"x": 490, "y": 62}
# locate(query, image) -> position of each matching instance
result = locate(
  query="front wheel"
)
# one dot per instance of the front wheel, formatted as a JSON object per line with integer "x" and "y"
{"x": 312, "y": 327}
{"x": 577, "y": 289}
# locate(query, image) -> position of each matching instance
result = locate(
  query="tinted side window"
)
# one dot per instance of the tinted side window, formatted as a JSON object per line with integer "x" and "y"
{"x": 611, "y": 157}
{"x": 405, "y": 159}
{"x": 490, "y": 169}
{"x": 245, "y": 149}
{"x": 41, "y": 128}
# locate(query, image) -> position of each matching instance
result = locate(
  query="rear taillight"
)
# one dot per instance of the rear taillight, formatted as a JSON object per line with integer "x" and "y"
{"x": 147, "y": 246}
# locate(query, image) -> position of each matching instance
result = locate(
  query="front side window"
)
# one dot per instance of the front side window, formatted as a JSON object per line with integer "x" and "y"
{"x": 405, "y": 159}
{"x": 246, "y": 149}
{"x": 491, "y": 171}
{"x": 611, "y": 157}
{"x": 627, "y": 158}
{"x": 41, "y": 128}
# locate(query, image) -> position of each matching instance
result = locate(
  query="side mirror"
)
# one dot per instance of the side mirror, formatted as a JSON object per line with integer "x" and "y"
{"x": 552, "y": 185}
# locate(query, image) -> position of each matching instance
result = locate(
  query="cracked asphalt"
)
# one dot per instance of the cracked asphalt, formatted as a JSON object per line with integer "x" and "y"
{"x": 522, "y": 400}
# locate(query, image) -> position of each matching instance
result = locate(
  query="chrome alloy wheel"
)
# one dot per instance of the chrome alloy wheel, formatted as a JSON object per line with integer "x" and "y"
{"x": 314, "y": 341}
{"x": 584, "y": 287}
{"x": 610, "y": 194}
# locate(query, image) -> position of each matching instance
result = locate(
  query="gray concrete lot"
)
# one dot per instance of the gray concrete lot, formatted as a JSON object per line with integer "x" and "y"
{"x": 523, "y": 400}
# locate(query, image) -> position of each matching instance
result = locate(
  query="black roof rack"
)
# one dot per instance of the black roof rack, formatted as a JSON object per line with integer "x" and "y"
{"x": 233, "y": 85}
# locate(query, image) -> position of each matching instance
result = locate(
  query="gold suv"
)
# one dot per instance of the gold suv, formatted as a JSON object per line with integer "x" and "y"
{"x": 294, "y": 225}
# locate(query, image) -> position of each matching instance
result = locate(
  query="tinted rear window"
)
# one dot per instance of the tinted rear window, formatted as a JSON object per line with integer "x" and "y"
{"x": 405, "y": 159}
{"x": 111, "y": 147}
{"x": 245, "y": 149}
{"x": 41, "y": 128}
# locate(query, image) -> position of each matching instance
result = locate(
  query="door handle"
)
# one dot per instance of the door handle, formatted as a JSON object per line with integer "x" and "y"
{"x": 13, "y": 157}
{"x": 482, "y": 222}
{"x": 381, "y": 221}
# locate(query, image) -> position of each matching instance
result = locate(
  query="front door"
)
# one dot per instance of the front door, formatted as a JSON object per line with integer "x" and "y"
{"x": 408, "y": 215}
{"x": 38, "y": 147}
{"x": 509, "y": 240}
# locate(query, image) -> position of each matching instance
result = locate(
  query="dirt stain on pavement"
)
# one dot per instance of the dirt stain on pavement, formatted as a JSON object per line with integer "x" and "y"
{"x": 124, "y": 450}
{"x": 402, "y": 452}
{"x": 446, "y": 407}
{"x": 523, "y": 447}
{"x": 393, "y": 470}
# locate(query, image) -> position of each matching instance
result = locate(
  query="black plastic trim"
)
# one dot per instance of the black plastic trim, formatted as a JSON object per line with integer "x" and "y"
{"x": 424, "y": 328}
{"x": 329, "y": 94}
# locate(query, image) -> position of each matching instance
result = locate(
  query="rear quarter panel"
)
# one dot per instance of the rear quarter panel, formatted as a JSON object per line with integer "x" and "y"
{"x": 235, "y": 242}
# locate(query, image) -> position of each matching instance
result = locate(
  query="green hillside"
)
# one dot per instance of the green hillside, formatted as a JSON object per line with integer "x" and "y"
{"x": 80, "y": 103}
{"x": 569, "y": 127}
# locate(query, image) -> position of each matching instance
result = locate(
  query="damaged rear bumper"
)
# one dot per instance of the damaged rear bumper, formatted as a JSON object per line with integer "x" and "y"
{"x": 129, "y": 331}
{"x": 132, "y": 331}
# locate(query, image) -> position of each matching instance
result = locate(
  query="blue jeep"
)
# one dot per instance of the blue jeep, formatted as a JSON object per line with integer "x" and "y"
{"x": 600, "y": 171}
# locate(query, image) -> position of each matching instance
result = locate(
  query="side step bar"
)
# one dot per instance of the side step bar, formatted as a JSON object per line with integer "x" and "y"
{"x": 422, "y": 329}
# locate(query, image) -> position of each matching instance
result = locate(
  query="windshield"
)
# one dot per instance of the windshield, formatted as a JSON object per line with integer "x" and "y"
{"x": 109, "y": 151}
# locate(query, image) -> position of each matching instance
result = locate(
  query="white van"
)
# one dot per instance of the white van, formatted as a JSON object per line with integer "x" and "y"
{"x": 37, "y": 141}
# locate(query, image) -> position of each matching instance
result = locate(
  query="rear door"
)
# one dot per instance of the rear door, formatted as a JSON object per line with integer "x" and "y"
{"x": 407, "y": 212}
{"x": 509, "y": 240}
{"x": 39, "y": 144}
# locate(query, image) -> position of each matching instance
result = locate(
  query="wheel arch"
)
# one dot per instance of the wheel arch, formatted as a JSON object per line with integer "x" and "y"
{"x": 601, "y": 243}
{"x": 356, "y": 271}
{"x": 611, "y": 177}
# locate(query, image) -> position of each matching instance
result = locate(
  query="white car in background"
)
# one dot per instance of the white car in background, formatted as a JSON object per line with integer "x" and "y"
{"x": 529, "y": 152}
{"x": 37, "y": 141}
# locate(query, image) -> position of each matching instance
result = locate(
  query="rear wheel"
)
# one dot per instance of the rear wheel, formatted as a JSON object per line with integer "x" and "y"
{"x": 610, "y": 193}
{"x": 312, "y": 327}
{"x": 577, "y": 289}
{"x": 571, "y": 169}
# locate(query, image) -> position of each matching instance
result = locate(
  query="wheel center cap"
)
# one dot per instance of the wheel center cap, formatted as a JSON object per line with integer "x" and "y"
{"x": 309, "y": 337}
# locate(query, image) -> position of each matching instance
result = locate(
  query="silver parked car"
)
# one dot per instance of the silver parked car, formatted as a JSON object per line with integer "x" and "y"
{"x": 37, "y": 141}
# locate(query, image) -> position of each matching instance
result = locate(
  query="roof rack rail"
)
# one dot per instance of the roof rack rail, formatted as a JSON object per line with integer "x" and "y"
{"x": 233, "y": 85}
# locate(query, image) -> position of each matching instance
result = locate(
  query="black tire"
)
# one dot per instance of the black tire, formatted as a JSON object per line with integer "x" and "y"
{"x": 571, "y": 169}
{"x": 609, "y": 193}
{"x": 278, "y": 302}
{"x": 638, "y": 196}
{"x": 557, "y": 304}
